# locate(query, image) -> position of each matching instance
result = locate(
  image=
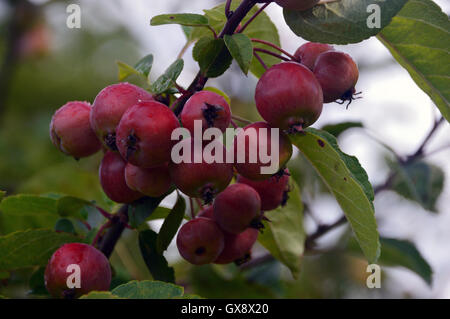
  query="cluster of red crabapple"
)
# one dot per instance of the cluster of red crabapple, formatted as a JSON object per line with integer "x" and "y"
{"x": 134, "y": 130}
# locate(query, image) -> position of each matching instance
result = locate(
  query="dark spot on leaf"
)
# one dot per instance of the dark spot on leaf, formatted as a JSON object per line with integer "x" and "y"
{"x": 321, "y": 143}
{"x": 171, "y": 17}
{"x": 345, "y": 178}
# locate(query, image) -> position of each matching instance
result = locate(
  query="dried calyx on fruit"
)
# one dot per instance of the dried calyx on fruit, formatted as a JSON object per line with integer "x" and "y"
{"x": 295, "y": 102}
{"x": 194, "y": 176}
{"x": 95, "y": 271}
{"x": 208, "y": 107}
{"x": 71, "y": 132}
{"x": 250, "y": 143}
{"x": 144, "y": 134}
{"x": 109, "y": 106}
{"x": 337, "y": 74}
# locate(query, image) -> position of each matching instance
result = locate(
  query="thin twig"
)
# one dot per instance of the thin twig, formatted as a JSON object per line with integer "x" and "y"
{"x": 227, "y": 9}
{"x": 191, "y": 204}
{"x": 104, "y": 212}
{"x": 240, "y": 119}
{"x": 270, "y": 44}
{"x": 421, "y": 148}
{"x": 271, "y": 53}
{"x": 234, "y": 124}
{"x": 253, "y": 17}
{"x": 100, "y": 232}
{"x": 260, "y": 60}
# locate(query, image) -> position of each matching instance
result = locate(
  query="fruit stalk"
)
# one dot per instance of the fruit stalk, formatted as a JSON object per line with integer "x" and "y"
{"x": 119, "y": 222}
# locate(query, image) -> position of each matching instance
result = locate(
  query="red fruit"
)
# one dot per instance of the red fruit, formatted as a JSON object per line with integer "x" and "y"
{"x": 307, "y": 53}
{"x": 251, "y": 167}
{"x": 95, "y": 272}
{"x": 109, "y": 106}
{"x": 200, "y": 241}
{"x": 237, "y": 208}
{"x": 71, "y": 132}
{"x": 237, "y": 246}
{"x": 337, "y": 73}
{"x": 299, "y": 5}
{"x": 289, "y": 96}
{"x": 210, "y": 108}
{"x": 153, "y": 182}
{"x": 272, "y": 191}
{"x": 207, "y": 212}
{"x": 202, "y": 180}
{"x": 144, "y": 134}
{"x": 112, "y": 179}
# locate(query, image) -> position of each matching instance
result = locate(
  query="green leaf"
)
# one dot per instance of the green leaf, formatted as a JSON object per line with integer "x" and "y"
{"x": 241, "y": 49}
{"x": 400, "y": 253}
{"x": 342, "y": 22}
{"x": 148, "y": 290}
{"x": 2, "y": 195}
{"x": 171, "y": 224}
{"x": 69, "y": 206}
{"x": 339, "y": 128}
{"x": 212, "y": 56}
{"x": 140, "y": 210}
{"x": 185, "y": 19}
{"x": 284, "y": 236}
{"x": 260, "y": 28}
{"x": 347, "y": 181}
{"x": 31, "y": 247}
{"x": 418, "y": 181}
{"x": 125, "y": 70}
{"x": 144, "y": 66}
{"x": 22, "y": 212}
{"x": 404, "y": 253}
{"x": 167, "y": 80}
{"x": 37, "y": 284}
{"x": 418, "y": 38}
{"x": 64, "y": 225}
{"x": 156, "y": 263}
{"x": 100, "y": 295}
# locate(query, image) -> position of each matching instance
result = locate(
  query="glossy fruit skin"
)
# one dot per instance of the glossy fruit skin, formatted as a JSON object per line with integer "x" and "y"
{"x": 144, "y": 134}
{"x": 253, "y": 170}
{"x": 237, "y": 208}
{"x": 94, "y": 267}
{"x": 308, "y": 53}
{"x": 298, "y": 5}
{"x": 112, "y": 179}
{"x": 109, "y": 107}
{"x": 209, "y": 107}
{"x": 288, "y": 95}
{"x": 271, "y": 190}
{"x": 200, "y": 241}
{"x": 71, "y": 132}
{"x": 153, "y": 182}
{"x": 337, "y": 73}
{"x": 201, "y": 180}
{"x": 237, "y": 246}
{"x": 207, "y": 212}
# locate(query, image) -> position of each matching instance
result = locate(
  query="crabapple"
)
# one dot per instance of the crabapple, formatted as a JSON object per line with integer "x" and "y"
{"x": 144, "y": 134}
{"x": 272, "y": 191}
{"x": 252, "y": 168}
{"x": 237, "y": 208}
{"x": 202, "y": 179}
{"x": 337, "y": 73}
{"x": 298, "y": 5}
{"x": 112, "y": 179}
{"x": 153, "y": 182}
{"x": 109, "y": 106}
{"x": 207, "y": 212}
{"x": 200, "y": 241}
{"x": 95, "y": 272}
{"x": 307, "y": 53}
{"x": 289, "y": 96}
{"x": 237, "y": 246}
{"x": 71, "y": 132}
{"x": 210, "y": 108}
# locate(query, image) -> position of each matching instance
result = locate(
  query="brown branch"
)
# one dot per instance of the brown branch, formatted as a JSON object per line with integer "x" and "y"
{"x": 119, "y": 222}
